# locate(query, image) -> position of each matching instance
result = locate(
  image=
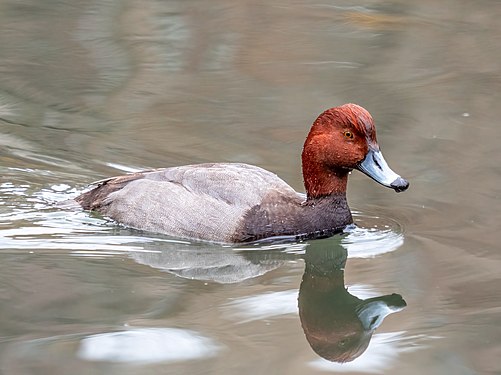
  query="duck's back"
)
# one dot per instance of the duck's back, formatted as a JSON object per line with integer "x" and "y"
{"x": 204, "y": 201}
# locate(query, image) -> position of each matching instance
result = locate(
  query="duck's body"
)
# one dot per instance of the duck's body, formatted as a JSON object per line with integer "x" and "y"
{"x": 223, "y": 202}
{"x": 229, "y": 202}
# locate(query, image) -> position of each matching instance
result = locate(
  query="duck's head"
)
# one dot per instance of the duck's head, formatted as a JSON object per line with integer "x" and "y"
{"x": 342, "y": 139}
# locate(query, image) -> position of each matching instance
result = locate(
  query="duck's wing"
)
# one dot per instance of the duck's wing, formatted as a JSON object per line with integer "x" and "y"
{"x": 205, "y": 201}
{"x": 236, "y": 184}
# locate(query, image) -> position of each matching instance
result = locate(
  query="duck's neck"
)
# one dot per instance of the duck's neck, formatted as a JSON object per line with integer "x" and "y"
{"x": 322, "y": 181}
{"x": 320, "y": 178}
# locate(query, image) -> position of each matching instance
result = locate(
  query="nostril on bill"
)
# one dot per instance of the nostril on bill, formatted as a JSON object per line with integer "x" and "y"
{"x": 374, "y": 159}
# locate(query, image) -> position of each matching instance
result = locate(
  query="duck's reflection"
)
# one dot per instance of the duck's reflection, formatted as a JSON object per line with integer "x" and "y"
{"x": 337, "y": 324}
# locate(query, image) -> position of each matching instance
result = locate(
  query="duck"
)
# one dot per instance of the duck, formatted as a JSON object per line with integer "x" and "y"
{"x": 233, "y": 203}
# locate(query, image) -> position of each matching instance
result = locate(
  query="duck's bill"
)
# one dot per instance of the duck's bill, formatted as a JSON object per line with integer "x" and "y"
{"x": 376, "y": 168}
{"x": 372, "y": 311}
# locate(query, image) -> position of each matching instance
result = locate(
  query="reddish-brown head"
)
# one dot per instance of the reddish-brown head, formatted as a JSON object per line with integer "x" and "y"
{"x": 341, "y": 139}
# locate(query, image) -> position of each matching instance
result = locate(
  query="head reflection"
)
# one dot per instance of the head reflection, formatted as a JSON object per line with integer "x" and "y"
{"x": 338, "y": 325}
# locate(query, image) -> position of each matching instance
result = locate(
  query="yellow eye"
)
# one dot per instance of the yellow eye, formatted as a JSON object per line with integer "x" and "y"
{"x": 348, "y": 134}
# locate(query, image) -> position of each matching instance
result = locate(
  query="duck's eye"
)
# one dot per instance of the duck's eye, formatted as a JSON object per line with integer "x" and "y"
{"x": 348, "y": 134}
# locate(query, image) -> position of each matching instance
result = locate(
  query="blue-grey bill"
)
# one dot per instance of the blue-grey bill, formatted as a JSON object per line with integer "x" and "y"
{"x": 376, "y": 168}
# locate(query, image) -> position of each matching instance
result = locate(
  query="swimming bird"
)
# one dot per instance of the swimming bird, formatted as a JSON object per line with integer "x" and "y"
{"x": 235, "y": 203}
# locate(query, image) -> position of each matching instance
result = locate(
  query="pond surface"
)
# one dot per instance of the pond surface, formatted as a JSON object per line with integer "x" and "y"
{"x": 94, "y": 89}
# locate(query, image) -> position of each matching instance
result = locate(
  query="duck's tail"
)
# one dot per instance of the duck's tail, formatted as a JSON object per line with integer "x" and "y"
{"x": 96, "y": 198}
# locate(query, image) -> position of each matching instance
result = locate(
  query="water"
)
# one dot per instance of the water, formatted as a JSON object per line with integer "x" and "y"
{"x": 93, "y": 89}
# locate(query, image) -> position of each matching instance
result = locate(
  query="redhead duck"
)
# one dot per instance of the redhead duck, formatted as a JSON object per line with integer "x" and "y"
{"x": 234, "y": 203}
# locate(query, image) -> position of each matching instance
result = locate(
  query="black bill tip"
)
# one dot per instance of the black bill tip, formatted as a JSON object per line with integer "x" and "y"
{"x": 400, "y": 184}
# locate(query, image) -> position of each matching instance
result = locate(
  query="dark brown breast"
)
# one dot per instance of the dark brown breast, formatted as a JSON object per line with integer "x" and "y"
{"x": 276, "y": 216}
